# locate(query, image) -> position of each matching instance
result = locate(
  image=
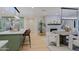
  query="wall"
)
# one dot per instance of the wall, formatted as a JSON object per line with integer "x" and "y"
{"x": 31, "y": 22}
{"x": 48, "y": 20}
{"x": 59, "y": 27}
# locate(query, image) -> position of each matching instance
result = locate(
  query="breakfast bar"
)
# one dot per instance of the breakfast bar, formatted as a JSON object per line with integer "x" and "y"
{"x": 14, "y": 39}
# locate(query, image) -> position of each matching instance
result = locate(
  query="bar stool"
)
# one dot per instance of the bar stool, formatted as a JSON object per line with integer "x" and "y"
{"x": 26, "y": 33}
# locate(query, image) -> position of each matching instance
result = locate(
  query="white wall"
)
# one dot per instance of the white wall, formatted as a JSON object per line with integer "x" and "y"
{"x": 64, "y": 22}
{"x": 31, "y": 22}
{"x": 48, "y": 19}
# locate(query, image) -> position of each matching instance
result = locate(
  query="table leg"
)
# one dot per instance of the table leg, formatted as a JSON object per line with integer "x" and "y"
{"x": 58, "y": 41}
{"x": 70, "y": 44}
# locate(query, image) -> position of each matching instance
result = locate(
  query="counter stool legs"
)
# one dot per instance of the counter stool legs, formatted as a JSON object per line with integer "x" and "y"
{"x": 25, "y": 40}
{"x": 27, "y": 33}
{"x": 29, "y": 41}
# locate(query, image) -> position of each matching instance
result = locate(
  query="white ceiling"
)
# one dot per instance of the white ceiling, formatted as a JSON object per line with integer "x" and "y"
{"x": 39, "y": 11}
{"x": 36, "y": 11}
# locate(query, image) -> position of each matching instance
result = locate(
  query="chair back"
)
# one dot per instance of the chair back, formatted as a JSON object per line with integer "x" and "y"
{"x": 27, "y": 32}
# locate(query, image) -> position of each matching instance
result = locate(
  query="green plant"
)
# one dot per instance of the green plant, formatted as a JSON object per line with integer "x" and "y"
{"x": 41, "y": 25}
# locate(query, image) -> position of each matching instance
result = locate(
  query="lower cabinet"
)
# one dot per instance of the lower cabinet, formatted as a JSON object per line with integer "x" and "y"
{"x": 14, "y": 41}
{"x": 53, "y": 38}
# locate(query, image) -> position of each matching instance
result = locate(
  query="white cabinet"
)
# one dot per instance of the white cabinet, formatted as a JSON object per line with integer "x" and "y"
{"x": 53, "y": 38}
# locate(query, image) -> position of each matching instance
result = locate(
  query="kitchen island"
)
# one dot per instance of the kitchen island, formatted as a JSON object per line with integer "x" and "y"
{"x": 14, "y": 39}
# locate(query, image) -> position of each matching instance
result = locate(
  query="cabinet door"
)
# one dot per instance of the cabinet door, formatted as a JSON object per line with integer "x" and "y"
{"x": 53, "y": 37}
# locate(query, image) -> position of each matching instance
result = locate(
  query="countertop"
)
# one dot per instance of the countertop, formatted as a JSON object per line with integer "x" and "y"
{"x": 61, "y": 32}
{"x": 13, "y": 32}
